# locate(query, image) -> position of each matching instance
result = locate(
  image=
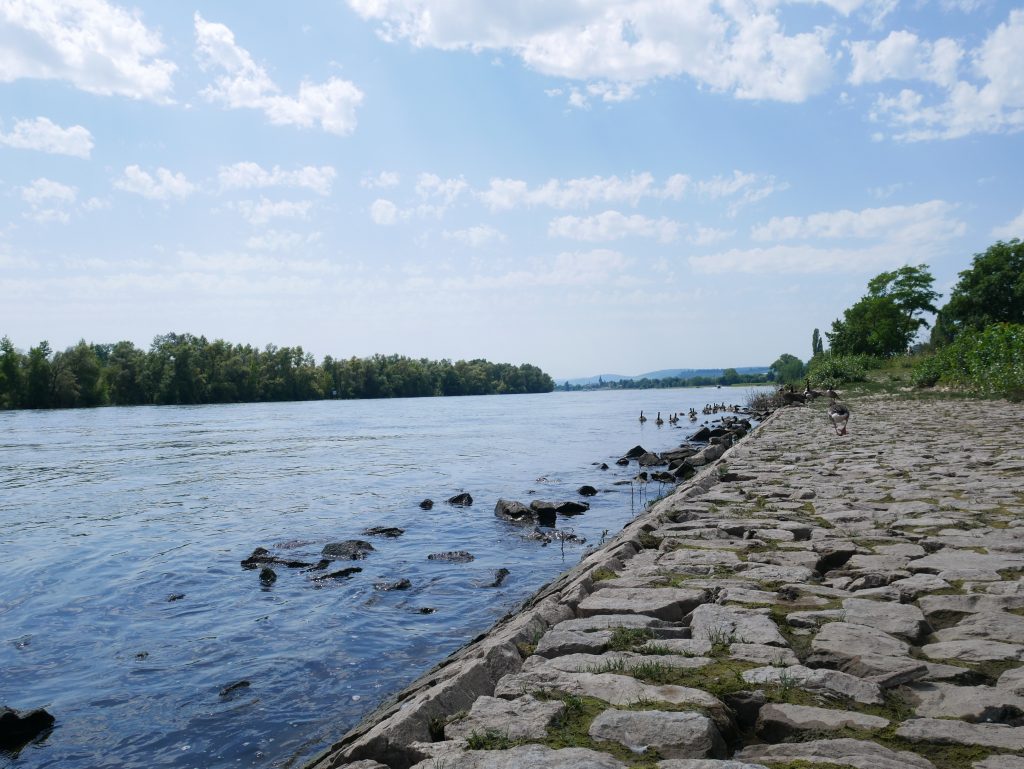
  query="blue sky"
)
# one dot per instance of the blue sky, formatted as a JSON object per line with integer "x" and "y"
{"x": 591, "y": 186}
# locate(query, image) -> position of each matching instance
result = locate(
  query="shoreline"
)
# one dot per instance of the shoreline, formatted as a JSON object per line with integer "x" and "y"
{"x": 866, "y": 580}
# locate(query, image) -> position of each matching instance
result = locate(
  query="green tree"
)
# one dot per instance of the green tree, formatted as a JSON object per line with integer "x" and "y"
{"x": 990, "y": 291}
{"x": 730, "y": 376}
{"x": 11, "y": 379}
{"x": 817, "y": 348}
{"x": 788, "y": 369}
{"x": 876, "y": 326}
{"x": 909, "y": 288}
{"x": 37, "y": 385}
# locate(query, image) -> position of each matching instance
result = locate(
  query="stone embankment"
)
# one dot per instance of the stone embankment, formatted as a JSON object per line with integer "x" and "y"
{"x": 808, "y": 600}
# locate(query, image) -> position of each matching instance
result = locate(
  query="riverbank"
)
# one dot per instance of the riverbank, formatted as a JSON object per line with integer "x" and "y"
{"x": 836, "y": 601}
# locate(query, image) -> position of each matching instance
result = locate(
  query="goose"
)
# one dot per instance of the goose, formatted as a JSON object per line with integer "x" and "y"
{"x": 833, "y": 394}
{"x": 839, "y": 415}
{"x": 809, "y": 393}
{"x": 642, "y": 417}
{"x": 659, "y": 421}
{"x": 791, "y": 398}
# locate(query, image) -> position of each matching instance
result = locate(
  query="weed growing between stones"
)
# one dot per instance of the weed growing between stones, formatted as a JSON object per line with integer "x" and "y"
{"x": 602, "y": 574}
{"x": 626, "y": 639}
{"x": 491, "y": 739}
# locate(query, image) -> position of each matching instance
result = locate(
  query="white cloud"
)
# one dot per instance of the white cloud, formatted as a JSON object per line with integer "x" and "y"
{"x": 249, "y": 175}
{"x": 94, "y": 45}
{"x": 246, "y": 84}
{"x": 382, "y": 180}
{"x": 433, "y": 187}
{"x": 475, "y": 237}
{"x": 44, "y": 135}
{"x": 504, "y": 194}
{"x": 49, "y": 200}
{"x": 615, "y": 45}
{"x": 742, "y": 188}
{"x": 383, "y": 212}
{"x": 1012, "y": 229}
{"x": 920, "y": 223}
{"x": 903, "y": 56}
{"x": 707, "y": 236}
{"x": 992, "y": 103}
{"x": 279, "y": 240}
{"x": 797, "y": 259}
{"x": 164, "y": 186}
{"x": 613, "y": 225}
{"x": 261, "y": 211}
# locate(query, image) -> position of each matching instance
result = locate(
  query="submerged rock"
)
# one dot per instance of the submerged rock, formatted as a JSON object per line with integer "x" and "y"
{"x": 384, "y": 531}
{"x": 545, "y": 512}
{"x": 454, "y": 556}
{"x": 510, "y": 510}
{"x": 461, "y": 500}
{"x": 586, "y": 491}
{"x": 18, "y": 728}
{"x": 175, "y": 597}
{"x": 499, "y": 577}
{"x": 398, "y": 584}
{"x": 572, "y": 508}
{"x": 426, "y": 504}
{"x": 230, "y": 688}
{"x": 268, "y": 576}
{"x": 352, "y": 549}
{"x": 340, "y": 574}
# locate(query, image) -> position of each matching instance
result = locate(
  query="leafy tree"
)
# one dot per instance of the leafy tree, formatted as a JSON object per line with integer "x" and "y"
{"x": 817, "y": 348}
{"x": 876, "y": 325}
{"x": 37, "y": 386}
{"x": 788, "y": 368}
{"x": 990, "y": 291}
{"x": 11, "y": 379}
{"x": 909, "y": 288}
{"x": 730, "y": 376}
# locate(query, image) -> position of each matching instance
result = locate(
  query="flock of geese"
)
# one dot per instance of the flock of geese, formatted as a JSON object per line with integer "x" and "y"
{"x": 838, "y": 413}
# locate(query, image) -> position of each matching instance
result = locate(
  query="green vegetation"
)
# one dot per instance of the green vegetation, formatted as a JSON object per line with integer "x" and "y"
{"x": 186, "y": 369}
{"x": 728, "y": 377}
{"x": 787, "y": 369}
{"x": 989, "y": 361}
{"x": 831, "y": 369}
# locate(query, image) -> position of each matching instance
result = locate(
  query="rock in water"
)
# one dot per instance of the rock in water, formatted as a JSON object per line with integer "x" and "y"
{"x": 455, "y": 556}
{"x": 399, "y": 584}
{"x": 545, "y": 512}
{"x": 516, "y": 512}
{"x": 572, "y": 508}
{"x": 352, "y": 549}
{"x": 268, "y": 576}
{"x": 636, "y": 451}
{"x": 426, "y": 504}
{"x": 461, "y": 500}
{"x": 586, "y": 491}
{"x": 231, "y": 688}
{"x": 17, "y": 728}
{"x": 340, "y": 574}
{"x": 384, "y": 531}
{"x": 499, "y": 577}
{"x": 702, "y": 435}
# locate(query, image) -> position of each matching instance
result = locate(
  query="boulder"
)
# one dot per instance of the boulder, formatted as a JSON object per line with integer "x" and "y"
{"x": 18, "y": 728}
{"x": 725, "y": 624}
{"x": 898, "y": 619}
{"x": 586, "y": 491}
{"x": 944, "y": 731}
{"x": 672, "y": 734}
{"x": 975, "y": 650}
{"x": 779, "y": 723}
{"x": 350, "y": 549}
{"x": 828, "y": 682}
{"x": 545, "y": 512}
{"x": 860, "y": 754}
{"x": 571, "y": 508}
{"x": 524, "y": 718}
{"x": 267, "y": 576}
{"x": 398, "y": 584}
{"x": 650, "y": 460}
{"x": 427, "y": 504}
{"x": 515, "y": 512}
{"x": 340, "y": 574}
{"x": 500, "y": 575}
{"x": 971, "y": 703}
{"x": 662, "y": 603}
{"x": 636, "y": 451}
{"x": 384, "y": 531}
{"x": 453, "y": 556}
{"x": 701, "y": 436}
{"x": 837, "y": 643}
{"x": 464, "y": 499}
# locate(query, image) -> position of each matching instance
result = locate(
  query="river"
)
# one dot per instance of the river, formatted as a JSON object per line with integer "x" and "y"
{"x": 124, "y": 609}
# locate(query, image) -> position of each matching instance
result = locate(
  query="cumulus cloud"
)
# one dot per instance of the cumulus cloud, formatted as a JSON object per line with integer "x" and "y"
{"x": 797, "y": 259}
{"x": 934, "y": 220}
{"x": 475, "y": 237}
{"x": 249, "y": 175}
{"x": 1012, "y": 229}
{"x": 433, "y": 187}
{"x": 44, "y": 135}
{"x": 505, "y": 194}
{"x": 280, "y": 240}
{"x": 261, "y": 211}
{"x": 383, "y": 212}
{"x": 903, "y": 56}
{"x": 707, "y": 236}
{"x": 613, "y": 225}
{"x": 382, "y": 180}
{"x": 617, "y": 45}
{"x": 245, "y": 84}
{"x": 49, "y": 200}
{"x": 96, "y": 46}
{"x": 991, "y": 102}
{"x": 165, "y": 185}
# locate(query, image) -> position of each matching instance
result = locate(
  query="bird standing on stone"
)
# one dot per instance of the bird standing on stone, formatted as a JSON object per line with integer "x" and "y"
{"x": 839, "y": 415}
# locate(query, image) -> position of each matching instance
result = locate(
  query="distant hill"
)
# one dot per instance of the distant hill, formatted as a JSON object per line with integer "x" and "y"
{"x": 682, "y": 373}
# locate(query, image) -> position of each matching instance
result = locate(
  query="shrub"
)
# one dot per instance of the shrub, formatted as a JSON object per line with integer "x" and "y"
{"x": 831, "y": 370}
{"x": 990, "y": 362}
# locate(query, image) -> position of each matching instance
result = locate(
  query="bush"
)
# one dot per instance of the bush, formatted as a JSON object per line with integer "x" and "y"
{"x": 831, "y": 370}
{"x": 989, "y": 362}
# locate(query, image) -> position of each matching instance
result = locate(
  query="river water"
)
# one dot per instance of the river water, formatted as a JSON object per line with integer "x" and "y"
{"x": 108, "y": 514}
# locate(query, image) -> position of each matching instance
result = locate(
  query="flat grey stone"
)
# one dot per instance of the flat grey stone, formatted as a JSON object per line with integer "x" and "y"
{"x": 944, "y": 731}
{"x": 942, "y": 700}
{"x": 839, "y": 642}
{"x": 859, "y": 754}
{"x": 817, "y": 680}
{"x": 1000, "y": 762}
{"x": 555, "y": 643}
{"x": 688, "y": 647}
{"x": 525, "y": 757}
{"x": 919, "y": 584}
{"x": 964, "y": 561}
{"x": 607, "y": 622}
{"x": 777, "y": 722}
{"x": 898, "y": 619}
{"x": 773, "y": 573}
{"x": 972, "y": 603}
{"x": 991, "y": 626}
{"x": 666, "y": 603}
{"x": 672, "y": 734}
{"x": 762, "y": 654}
{"x": 366, "y": 764}
{"x": 973, "y": 651}
{"x": 524, "y": 718}
{"x": 677, "y": 559}
{"x": 1012, "y": 680}
{"x": 726, "y": 624}
{"x": 620, "y": 663}
{"x": 708, "y": 763}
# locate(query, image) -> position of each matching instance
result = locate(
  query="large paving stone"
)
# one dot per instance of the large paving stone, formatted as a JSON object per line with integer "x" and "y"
{"x": 624, "y": 663}
{"x": 710, "y": 763}
{"x": 763, "y": 655}
{"x": 1000, "y": 762}
{"x": 665, "y": 603}
{"x": 608, "y": 622}
{"x": 725, "y": 624}
{"x": 972, "y": 703}
{"x": 772, "y": 573}
{"x": 672, "y": 734}
{"x": 524, "y": 757}
{"x": 524, "y": 718}
{"x": 919, "y": 584}
{"x": 688, "y": 647}
{"x": 975, "y": 650}
{"x": 991, "y": 626}
{"x": 1012, "y": 681}
{"x": 778, "y": 722}
{"x": 898, "y": 619}
{"x": 859, "y": 754}
{"x": 964, "y": 564}
{"x": 555, "y": 643}
{"x": 830, "y": 682}
{"x": 971, "y": 603}
{"x": 685, "y": 557}
{"x": 944, "y": 731}
{"x": 839, "y": 642}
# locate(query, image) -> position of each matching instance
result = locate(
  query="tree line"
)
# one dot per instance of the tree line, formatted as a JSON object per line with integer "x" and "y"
{"x": 728, "y": 377}
{"x": 986, "y": 303}
{"x": 184, "y": 369}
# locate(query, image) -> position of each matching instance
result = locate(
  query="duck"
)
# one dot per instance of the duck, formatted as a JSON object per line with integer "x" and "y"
{"x": 642, "y": 417}
{"x": 659, "y": 421}
{"x": 840, "y": 415}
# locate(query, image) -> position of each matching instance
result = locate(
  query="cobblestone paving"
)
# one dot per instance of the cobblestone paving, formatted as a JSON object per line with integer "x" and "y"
{"x": 832, "y": 601}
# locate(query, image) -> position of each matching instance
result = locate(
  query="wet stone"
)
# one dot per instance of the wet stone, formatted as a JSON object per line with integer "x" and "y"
{"x": 672, "y": 734}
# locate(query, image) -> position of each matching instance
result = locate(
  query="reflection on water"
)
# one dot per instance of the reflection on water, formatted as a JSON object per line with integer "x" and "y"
{"x": 107, "y": 514}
